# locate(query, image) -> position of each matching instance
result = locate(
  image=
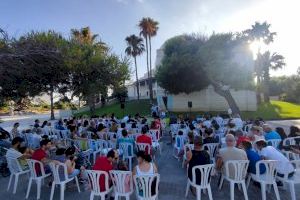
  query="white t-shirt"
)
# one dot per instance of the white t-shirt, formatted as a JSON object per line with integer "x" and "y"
{"x": 283, "y": 166}
{"x": 12, "y": 153}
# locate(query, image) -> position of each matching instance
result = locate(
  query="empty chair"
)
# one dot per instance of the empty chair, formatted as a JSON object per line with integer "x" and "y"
{"x": 61, "y": 179}
{"x": 235, "y": 172}
{"x": 144, "y": 186}
{"x": 127, "y": 153}
{"x": 122, "y": 183}
{"x": 15, "y": 171}
{"x": 155, "y": 135}
{"x": 205, "y": 171}
{"x": 37, "y": 174}
{"x": 97, "y": 190}
{"x": 268, "y": 178}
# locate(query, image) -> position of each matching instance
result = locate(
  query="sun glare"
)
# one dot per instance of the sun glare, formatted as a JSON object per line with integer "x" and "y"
{"x": 257, "y": 47}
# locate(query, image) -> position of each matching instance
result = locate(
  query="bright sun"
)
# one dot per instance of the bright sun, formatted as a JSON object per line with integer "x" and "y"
{"x": 257, "y": 46}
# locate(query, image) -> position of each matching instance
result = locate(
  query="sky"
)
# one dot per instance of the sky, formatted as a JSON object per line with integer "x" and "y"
{"x": 113, "y": 20}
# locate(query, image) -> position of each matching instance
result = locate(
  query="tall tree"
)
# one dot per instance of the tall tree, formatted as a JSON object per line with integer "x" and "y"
{"x": 259, "y": 33}
{"x": 149, "y": 29}
{"x": 220, "y": 60}
{"x": 135, "y": 47}
{"x": 269, "y": 61}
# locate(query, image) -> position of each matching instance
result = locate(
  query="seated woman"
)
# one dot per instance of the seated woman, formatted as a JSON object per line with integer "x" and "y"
{"x": 71, "y": 162}
{"x": 101, "y": 131}
{"x": 197, "y": 157}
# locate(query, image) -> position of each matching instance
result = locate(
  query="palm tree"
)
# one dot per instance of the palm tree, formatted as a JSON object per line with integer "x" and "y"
{"x": 269, "y": 61}
{"x": 259, "y": 32}
{"x": 135, "y": 47}
{"x": 149, "y": 29}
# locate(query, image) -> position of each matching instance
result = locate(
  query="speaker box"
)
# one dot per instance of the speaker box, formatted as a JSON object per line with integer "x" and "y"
{"x": 190, "y": 104}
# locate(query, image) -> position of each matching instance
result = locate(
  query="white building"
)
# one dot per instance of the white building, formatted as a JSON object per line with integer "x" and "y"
{"x": 204, "y": 100}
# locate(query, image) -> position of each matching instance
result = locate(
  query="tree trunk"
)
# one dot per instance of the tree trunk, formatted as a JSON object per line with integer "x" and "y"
{"x": 147, "y": 49}
{"x": 137, "y": 80}
{"x": 51, "y": 105}
{"x": 258, "y": 88}
{"x": 266, "y": 86}
{"x": 150, "y": 80}
{"x": 91, "y": 102}
{"x": 228, "y": 97}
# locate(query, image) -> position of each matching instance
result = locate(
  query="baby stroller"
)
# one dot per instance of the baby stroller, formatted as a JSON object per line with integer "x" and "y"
{"x": 3, "y": 163}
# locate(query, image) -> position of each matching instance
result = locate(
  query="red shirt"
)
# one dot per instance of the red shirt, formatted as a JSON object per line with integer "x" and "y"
{"x": 38, "y": 155}
{"x": 144, "y": 139}
{"x": 103, "y": 164}
{"x": 242, "y": 139}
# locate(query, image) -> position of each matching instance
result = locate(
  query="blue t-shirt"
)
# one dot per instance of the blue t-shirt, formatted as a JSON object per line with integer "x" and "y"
{"x": 253, "y": 158}
{"x": 272, "y": 135}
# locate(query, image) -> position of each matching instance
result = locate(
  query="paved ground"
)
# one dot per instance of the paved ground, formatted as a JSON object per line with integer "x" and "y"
{"x": 172, "y": 185}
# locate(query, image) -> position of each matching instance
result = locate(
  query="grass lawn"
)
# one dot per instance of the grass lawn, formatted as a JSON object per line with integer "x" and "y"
{"x": 131, "y": 107}
{"x": 271, "y": 111}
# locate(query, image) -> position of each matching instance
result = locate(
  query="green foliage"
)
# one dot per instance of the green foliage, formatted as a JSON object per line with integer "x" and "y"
{"x": 120, "y": 93}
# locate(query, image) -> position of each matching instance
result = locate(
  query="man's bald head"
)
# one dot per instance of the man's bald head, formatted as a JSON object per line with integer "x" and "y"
{"x": 230, "y": 140}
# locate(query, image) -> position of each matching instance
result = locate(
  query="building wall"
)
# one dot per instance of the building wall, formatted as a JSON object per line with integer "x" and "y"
{"x": 208, "y": 100}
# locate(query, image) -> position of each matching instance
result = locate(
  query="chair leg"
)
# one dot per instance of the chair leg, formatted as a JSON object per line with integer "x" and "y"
{"x": 92, "y": 196}
{"x": 76, "y": 180}
{"x": 10, "y": 179}
{"x": 276, "y": 191}
{"x": 187, "y": 188}
{"x": 116, "y": 197}
{"x": 52, "y": 191}
{"x": 245, "y": 190}
{"x": 209, "y": 193}
{"x": 16, "y": 183}
{"x": 232, "y": 190}
{"x": 292, "y": 190}
{"x": 39, "y": 187}
{"x": 248, "y": 181}
{"x": 29, "y": 187}
{"x": 221, "y": 182}
{"x": 263, "y": 191}
{"x": 62, "y": 191}
{"x": 198, "y": 194}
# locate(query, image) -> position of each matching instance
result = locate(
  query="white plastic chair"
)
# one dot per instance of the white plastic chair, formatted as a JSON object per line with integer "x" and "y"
{"x": 155, "y": 135}
{"x": 101, "y": 146}
{"x": 239, "y": 170}
{"x": 127, "y": 153}
{"x": 143, "y": 186}
{"x": 205, "y": 171}
{"x": 268, "y": 178}
{"x": 179, "y": 144}
{"x": 36, "y": 176}
{"x": 94, "y": 176}
{"x": 15, "y": 171}
{"x": 274, "y": 142}
{"x": 211, "y": 149}
{"x": 61, "y": 179}
{"x": 186, "y": 147}
{"x": 144, "y": 147}
{"x": 120, "y": 179}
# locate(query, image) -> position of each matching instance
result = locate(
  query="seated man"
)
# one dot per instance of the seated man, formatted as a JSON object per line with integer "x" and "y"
{"x": 125, "y": 139}
{"x": 270, "y": 153}
{"x": 14, "y": 152}
{"x": 256, "y": 134}
{"x": 144, "y": 138}
{"x": 269, "y": 133}
{"x": 209, "y": 137}
{"x": 41, "y": 155}
{"x": 230, "y": 152}
{"x": 4, "y": 140}
{"x": 253, "y": 158}
{"x": 105, "y": 164}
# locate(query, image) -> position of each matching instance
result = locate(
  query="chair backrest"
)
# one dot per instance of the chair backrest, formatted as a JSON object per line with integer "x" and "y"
{"x": 270, "y": 166}
{"x": 13, "y": 165}
{"x": 179, "y": 141}
{"x": 211, "y": 149}
{"x": 155, "y": 134}
{"x": 36, "y": 168}
{"x": 127, "y": 149}
{"x": 101, "y": 144}
{"x": 144, "y": 186}
{"x": 94, "y": 178}
{"x": 120, "y": 179}
{"x": 274, "y": 142}
{"x": 289, "y": 141}
{"x": 174, "y": 128}
{"x": 236, "y": 169}
{"x": 188, "y": 146}
{"x": 144, "y": 147}
{"x": 133, "y": 136}
{"x": 205, "y": 171}
{"x": 59, "y": 172}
